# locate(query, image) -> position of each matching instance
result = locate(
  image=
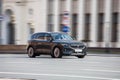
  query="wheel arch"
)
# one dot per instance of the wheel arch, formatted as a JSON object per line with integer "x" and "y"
{"x": 59, "y": 46}
{"x": 60, "y": 49}
{"x": 30, "y": 46}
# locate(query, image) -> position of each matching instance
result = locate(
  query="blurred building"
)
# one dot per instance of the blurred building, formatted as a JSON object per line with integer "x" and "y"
{"x": 21, "y": 19}
{"x": 96, "y": 22}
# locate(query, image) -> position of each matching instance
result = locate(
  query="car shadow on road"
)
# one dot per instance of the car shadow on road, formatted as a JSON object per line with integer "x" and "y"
{"x": 49, "y": 57}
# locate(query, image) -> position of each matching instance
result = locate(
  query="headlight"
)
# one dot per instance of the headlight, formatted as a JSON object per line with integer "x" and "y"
{"x": 65, "y": 45}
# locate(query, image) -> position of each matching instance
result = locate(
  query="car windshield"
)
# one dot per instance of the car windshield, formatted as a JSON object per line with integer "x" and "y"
{"x": 58, "y": 36}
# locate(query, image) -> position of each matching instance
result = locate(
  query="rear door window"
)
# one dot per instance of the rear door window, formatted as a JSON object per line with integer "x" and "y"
{"x": 40, "y": 36}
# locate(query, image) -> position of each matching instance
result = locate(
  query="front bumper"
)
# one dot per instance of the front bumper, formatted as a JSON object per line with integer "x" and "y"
{"x": 74, "y": 51}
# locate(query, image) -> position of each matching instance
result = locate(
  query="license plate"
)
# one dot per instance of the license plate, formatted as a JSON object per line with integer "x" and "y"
{"x": 78, "y": 50}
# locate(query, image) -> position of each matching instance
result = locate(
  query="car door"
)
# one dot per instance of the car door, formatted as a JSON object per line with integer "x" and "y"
{"x": 47, "y": 44}
{"x": 40, "y": 41}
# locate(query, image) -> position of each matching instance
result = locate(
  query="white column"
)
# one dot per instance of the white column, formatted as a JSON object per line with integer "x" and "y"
{"x": 94, "y": 18}
{"x": 4, "y": 31}
{"x": 22, "y": 25}
{"x": 56, "y": 15}
{"x": 80, "y": 30}
{"x": 107, "y": 22}
{"x": 18, "y": 25}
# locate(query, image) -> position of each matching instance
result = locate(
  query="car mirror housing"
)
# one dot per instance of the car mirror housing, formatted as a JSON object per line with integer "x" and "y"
{"x": 50, "y": 39}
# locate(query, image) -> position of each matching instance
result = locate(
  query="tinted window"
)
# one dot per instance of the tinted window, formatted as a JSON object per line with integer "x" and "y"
{"x": 47, "y": 37}
{"x": 57, "y": 36}
{"x": 38, "y": 36}
{"x": 33, "y": 36}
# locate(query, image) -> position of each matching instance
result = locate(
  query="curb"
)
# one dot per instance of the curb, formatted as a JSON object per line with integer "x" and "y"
{"x": 12, "y": 52}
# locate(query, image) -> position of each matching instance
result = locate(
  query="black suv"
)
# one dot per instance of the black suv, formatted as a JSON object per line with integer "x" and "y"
{"x": 55, "y": 44}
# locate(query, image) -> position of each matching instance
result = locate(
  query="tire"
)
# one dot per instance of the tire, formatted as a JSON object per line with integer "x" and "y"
{"x": 31, "y": 52}
{"x": 56, "y": 53}
{"x": 80, "y": 56}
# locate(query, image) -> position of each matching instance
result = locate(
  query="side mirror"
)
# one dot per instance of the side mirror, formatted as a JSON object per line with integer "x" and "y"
{"x": 50, "y": 39}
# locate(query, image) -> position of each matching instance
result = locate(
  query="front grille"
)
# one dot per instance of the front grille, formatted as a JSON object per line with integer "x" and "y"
{"x": 77, "y": 46}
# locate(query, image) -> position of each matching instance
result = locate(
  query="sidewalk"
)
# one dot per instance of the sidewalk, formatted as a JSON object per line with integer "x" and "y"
{"x": 13, "y": 49}
{"x": 13, "y": 52}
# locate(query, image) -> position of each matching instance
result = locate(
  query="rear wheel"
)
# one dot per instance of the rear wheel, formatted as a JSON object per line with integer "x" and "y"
{"x": 56, "y": 53}
{"x": 31, "y": 52}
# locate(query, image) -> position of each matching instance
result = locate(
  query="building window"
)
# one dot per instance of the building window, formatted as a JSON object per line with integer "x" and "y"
{"x": 114, "y": 27}
{"x": 74, "y": 25}
{"x": 62, "y": 7}
{"x": 50, "y": 23}
{"x": 87, "y": 27}
{"x": 60, "y": 20}
{"x": 50, "y": 15}
{"x": 100, "y": 27}
{"x": 11, "y": 33}
{"x": 30, "y": 30}
{"x": 30, "y": 11}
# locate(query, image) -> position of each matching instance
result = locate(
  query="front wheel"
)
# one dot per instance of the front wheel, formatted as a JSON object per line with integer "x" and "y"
{"x": 56, "y": 53}
{"x": 31, "y": 52}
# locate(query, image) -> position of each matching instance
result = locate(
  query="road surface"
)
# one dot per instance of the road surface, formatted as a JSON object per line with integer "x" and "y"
{"x": 92, "y": 67}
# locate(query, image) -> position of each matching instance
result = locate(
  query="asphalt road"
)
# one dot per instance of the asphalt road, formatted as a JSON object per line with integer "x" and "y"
{"x": 92, "y": 67}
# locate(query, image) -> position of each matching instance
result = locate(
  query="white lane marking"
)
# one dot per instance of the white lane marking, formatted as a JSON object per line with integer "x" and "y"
{"x": 101, "y": 70}
{"x": 58, "y": 75}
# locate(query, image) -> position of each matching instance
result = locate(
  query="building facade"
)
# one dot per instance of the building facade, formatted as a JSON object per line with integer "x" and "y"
{"x": 95, "y": 22}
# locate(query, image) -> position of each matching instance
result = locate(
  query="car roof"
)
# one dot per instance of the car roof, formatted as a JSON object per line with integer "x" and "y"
{"x": 48, "y": 32}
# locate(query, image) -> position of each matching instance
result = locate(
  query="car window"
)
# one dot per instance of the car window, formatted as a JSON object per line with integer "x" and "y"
{"x": 40, "y": 36}
{"x": 47, "y": 37}
{"x": 58, "y": 36}
{"x": 33, "y": 36}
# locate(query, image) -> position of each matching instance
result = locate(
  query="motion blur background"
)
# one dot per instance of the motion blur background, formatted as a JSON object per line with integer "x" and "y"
{"x": 95, "y": 22}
